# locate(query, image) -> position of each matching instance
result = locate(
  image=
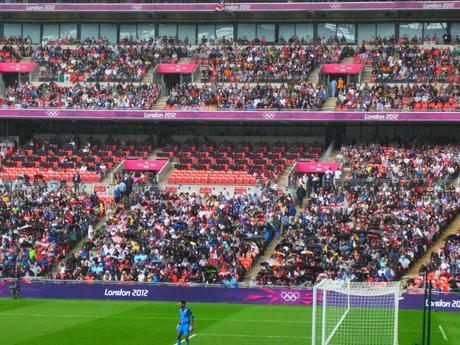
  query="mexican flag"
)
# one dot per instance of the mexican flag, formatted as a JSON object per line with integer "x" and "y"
{"x": 64, "y": 78}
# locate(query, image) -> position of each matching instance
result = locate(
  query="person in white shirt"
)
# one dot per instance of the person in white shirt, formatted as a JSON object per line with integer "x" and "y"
{"x": 337, "y": 176}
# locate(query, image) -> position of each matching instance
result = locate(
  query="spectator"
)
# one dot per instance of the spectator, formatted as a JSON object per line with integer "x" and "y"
{"x": 76, "y": 179}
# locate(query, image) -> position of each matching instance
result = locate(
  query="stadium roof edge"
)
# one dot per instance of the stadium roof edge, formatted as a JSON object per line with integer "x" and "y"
{"x": 233, "y": 7}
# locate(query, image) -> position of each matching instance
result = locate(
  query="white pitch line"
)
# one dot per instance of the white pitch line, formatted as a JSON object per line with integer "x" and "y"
{"x": 76, "y": 316}
{"x": 183, "y": 340}
{"x": 251, "y": 336}
{"x": 443, "y": 333}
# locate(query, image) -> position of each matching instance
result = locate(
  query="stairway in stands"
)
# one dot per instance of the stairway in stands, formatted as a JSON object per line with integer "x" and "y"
{"x": 265, "y": 257}
{"x": 453, "y": 228}
{"x": 148, "y": 77}
{"x": 367, "y": 74}
{"x": 314, "y": 75}
{"x": 161, "y": 104}
{"x": 330, "y": 104}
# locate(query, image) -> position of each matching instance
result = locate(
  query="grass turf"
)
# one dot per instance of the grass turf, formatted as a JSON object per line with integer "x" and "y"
{"x": 92, "y": 322}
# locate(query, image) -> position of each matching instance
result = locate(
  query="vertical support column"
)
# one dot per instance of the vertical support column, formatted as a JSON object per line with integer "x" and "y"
{"x": 348, "y": 297}
{"x": 428, "y": 332}
{"x": 396, "y": 320}
{"x": 425, "y": 295}
{"x": 323, "y": 323}
{"x": 313, "y": 321}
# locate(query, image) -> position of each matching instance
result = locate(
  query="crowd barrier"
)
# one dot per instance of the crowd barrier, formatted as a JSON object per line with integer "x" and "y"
{"x": 195, "y": 294}
{"x": 231, "y": 115}
{"x": 232, "y": 7}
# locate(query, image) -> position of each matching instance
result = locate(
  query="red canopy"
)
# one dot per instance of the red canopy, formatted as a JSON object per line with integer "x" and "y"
{"x": 183, "y": 68}
{"x": 342, "y": 68}
{"x": 317, "y": 167}
{"x": 144, "y": 164}
{"x": 13, "y": 67}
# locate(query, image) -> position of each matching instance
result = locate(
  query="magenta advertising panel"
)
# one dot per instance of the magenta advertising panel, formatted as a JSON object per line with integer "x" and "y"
{"x": 145, "y": 164}
{"x": 16, "y": 67}
{"x": 151, "y": 292}
{"x": 266, "y": 115}
{"x": 317, "y": 167}
{"x": 230, "y": 7}
{"x": 342, "y": 68}
{"x": 183, "y": 68}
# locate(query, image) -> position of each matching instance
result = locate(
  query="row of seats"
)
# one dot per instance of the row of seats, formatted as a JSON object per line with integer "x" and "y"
{"x": 254, "y": 160}
{"x": 204, "y": 190}
{"x": 212, "y": 177}
{"x": 58, "y": 160}
{"x": 421, "y": 106}
{"x": 10, "y": 174}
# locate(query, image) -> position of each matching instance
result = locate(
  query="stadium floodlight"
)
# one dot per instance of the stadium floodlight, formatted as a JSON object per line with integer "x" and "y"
{"x": 355, "y": 313}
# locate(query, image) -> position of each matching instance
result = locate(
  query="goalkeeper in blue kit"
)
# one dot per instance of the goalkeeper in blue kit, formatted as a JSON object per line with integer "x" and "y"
{"x": 185, "y": 325}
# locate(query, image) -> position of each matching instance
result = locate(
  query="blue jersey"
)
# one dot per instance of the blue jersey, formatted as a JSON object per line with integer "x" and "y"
{"x": 186, "y": 316}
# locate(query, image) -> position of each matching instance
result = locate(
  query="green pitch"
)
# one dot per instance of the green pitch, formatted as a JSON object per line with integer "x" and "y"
{"x": 87, "y": 322}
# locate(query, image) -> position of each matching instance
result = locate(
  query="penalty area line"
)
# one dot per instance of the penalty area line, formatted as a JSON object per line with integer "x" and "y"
{"x": 444, "y": 335}
{"x": 183, "y": 340}
{"x": 251, "y": 336}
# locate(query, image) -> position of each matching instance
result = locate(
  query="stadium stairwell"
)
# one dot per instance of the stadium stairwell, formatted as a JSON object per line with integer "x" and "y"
{"x": 76, "y": 249}
{"x": 161, "y": 104}
{"x": 314, "y": 75}
{"x": 268, "y": 253}
{"x": 330, "y": 104}
{"x": 367, "y": 74}
{"x": 453, "y": 228}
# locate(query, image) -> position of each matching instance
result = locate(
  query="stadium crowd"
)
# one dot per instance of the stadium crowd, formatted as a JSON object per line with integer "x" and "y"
{"x": 402, "y": 161}
{"x": 230, "y": 68}
{"x": 100, "y": 61}
{"x": 249, "y": 64}
{"x": 370, "y": 228}
{"x": 266, "y": 96}
{"x": 435, "y": 96}
{"x": 179, "y": 238}
{"x": 88, "y": 63}
{"x": 411, "y": 63}
{"x": 370, "y": 231}
{"x": 39, "y": 226}
{"x": 443, "y": 269}
{"x": 81, "y": 96}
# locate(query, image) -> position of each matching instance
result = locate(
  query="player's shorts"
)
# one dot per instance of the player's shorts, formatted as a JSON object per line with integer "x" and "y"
{"x": 184, "y": 329}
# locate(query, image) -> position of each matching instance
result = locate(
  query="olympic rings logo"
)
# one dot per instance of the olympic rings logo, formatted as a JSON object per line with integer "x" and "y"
{"x": 52, "y": 113}
{"x": 137, "y": 7}
{"x": 336, "y": 5}
{"x": 269, "y": 115}
{"x": 290, "y": 296}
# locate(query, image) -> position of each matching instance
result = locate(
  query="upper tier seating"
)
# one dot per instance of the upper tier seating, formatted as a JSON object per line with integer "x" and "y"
{"x": 425, "y": 97}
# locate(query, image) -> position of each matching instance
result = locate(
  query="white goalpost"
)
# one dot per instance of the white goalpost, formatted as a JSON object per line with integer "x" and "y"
{"x": 355, "y": 313}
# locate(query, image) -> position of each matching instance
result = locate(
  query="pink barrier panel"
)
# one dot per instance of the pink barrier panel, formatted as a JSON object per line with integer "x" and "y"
{"x": 13, "y": 67}
{"x": 342, "y": 68}
{"x": 317, "y": 167}
{"x": 176, "y": 68}
{"x": 145, "y": 164}
{"x": 267, "y": 115}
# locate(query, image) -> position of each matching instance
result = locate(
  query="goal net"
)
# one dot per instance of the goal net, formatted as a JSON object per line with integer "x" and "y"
{"x": 355, "y": 313}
